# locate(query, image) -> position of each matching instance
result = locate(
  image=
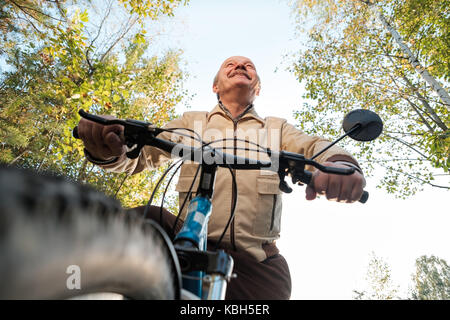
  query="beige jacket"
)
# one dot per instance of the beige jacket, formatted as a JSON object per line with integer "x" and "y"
{"x": 259, "y": 205}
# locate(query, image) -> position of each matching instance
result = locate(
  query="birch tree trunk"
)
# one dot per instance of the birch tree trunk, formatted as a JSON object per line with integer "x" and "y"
{"x": 443, "y": 95}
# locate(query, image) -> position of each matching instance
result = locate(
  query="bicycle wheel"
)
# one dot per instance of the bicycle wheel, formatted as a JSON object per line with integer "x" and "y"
{"x": 60, "y": 239}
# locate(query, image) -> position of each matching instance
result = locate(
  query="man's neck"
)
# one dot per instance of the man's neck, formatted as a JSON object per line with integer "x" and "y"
{"x": 235, "y": 108}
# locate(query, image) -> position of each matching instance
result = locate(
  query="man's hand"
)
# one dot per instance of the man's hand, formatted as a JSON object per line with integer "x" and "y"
{"x": 336, "y": 187}
{"x": 102, "y": 142}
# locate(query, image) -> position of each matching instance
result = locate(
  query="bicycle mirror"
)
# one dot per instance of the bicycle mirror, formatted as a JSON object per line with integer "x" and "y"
{"x": 368, "y": 122}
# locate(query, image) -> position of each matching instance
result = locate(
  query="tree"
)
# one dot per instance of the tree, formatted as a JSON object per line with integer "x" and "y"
{"x": 431, "y": 279}
{"x": 377, "y": 55}
{"x": 379, "y": 282}
{"x": 63, "y": 56}
{"x": 414, "y": 61}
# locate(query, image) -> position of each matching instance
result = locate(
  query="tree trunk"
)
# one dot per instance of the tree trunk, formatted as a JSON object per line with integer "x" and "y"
{"x": 46, "y": 151}
{"x": 427, "y": 106}
{"x": 421, "y": 98}
{"x": 18, "y": 157}
{"x": 443, "y": 95}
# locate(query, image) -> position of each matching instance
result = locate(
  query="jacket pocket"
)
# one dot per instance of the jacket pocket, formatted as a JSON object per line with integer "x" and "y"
{"x": 268, "y": 207}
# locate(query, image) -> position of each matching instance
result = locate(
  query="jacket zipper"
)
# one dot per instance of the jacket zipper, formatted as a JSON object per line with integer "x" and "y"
{"x": 232, "y": 236}
{"x": 234, "y": 198}
{"x": 273, "y": 211}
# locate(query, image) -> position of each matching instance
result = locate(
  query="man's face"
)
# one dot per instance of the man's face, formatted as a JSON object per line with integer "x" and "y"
{"x": 237, "y": 73}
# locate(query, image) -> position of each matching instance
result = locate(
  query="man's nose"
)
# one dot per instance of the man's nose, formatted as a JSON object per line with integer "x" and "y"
{"x": 241, "y": 66}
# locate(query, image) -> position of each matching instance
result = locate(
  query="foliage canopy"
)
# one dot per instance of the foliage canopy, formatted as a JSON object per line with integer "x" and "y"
{"x": 61, "y": 56}
{"x": 352, "y": 58}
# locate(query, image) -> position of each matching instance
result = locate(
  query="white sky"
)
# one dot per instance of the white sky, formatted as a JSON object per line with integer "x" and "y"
{"x": 326, "y": 244}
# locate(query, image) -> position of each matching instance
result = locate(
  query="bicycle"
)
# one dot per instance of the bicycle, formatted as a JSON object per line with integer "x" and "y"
{"x": 165, "y": 268}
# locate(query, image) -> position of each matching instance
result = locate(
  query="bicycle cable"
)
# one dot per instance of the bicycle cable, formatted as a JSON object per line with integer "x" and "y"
{"x": 147, "y": 207}
{"x": 234, "y": 186}
{"x": 233, "y": 207}
{"x": 233, "y": 177}
{"x": 165, "y": 191}
{"x": 264, "y": 149}
{"x": 234, "y": 183}
{"x": 184, "y": 202}
{"x": 197, "y": 138}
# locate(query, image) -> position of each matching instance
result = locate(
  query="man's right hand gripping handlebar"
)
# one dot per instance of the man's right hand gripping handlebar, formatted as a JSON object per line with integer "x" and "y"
{"x": 102, "y": 142}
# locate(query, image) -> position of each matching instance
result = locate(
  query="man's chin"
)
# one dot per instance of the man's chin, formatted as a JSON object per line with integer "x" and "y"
{"x": 241, "y": 86}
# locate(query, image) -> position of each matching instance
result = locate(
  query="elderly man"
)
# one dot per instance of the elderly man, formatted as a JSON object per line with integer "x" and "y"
{"x": 262, "y": 273}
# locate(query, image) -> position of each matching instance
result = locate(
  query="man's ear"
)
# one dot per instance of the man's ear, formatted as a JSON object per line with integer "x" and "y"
{"x": 257, "y": 89}
{"x": 215, "y": 88}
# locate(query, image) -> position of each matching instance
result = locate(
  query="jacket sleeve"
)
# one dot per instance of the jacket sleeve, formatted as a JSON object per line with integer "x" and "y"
{"x": 295, "y": 140}
{"x": 150, "y": 157}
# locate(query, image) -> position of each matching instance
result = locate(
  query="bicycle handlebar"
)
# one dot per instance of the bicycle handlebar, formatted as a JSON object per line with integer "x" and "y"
{"x": 138, "y": 133}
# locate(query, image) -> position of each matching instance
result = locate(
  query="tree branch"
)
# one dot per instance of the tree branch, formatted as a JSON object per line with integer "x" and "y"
{"x": 422, "y": 99}
{"x": 100, "y": 26}
{"x": 35, "y": 10}
{"x": 433, "y": 114}
{"x": 119, "y": 38}
{"x": 392, "y": 160}
{"x": 404, "y": 133}
{"x": 32, "y": 24}
{"x": 416, "y": 109}
{"x": 416, "y": 178}
{"x": 406, "y": 144}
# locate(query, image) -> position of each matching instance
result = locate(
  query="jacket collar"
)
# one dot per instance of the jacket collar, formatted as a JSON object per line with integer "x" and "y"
{"x": 249, "y": 112}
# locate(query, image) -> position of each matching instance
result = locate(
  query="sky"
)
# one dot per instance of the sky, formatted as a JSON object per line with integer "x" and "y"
{"x": 327, "y": 245}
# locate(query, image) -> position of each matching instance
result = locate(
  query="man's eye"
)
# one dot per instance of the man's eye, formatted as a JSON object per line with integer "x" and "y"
{"x": 250, "y": 66}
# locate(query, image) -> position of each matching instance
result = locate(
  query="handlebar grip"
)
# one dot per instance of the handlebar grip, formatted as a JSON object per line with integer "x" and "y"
{"x": 75, "y": 133}
{"x": 364, "y": 197}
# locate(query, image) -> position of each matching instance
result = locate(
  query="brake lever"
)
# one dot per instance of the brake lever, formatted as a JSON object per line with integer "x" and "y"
{"x": 285, "y": 187}
{"x": 294, "y": 165}
{"x": 333, "y": 170}
{"x": 136, "y": 132}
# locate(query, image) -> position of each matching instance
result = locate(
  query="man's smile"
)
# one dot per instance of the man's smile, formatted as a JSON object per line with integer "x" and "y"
{"x": 239, "y": 73}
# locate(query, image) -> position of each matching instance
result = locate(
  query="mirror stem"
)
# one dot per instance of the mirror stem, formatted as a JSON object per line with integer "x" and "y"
{"x": 333, "y": 143}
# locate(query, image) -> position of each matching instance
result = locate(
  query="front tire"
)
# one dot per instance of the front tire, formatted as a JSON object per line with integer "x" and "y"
{"x": 51, "y": 228}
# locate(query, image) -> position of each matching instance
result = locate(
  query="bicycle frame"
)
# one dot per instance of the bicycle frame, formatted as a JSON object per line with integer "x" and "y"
{"x": 195, "y": 229}
{"x": 191, "y": 243}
